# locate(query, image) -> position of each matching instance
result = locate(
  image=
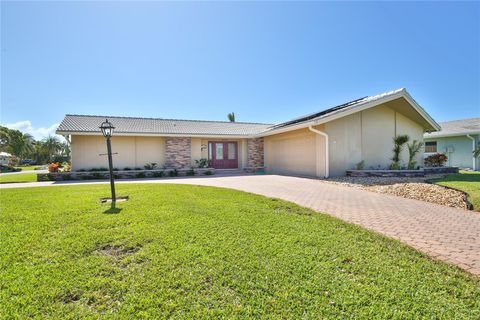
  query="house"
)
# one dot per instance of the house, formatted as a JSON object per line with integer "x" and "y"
{"x": 457, "y": 139}
{"x": 5, "y": 157}
{"x": 321, "y": 144}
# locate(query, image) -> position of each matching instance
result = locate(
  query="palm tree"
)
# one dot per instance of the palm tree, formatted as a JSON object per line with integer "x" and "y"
{"x": 413, "y": 150}
{"x": 231, "y": 117}
{"x": 398, "y": 143}
{"x": 52, "y": 146}
{"x": 476, "y": 153}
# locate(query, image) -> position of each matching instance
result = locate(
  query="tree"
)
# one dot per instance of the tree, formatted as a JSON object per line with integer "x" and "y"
{"x": 52, "y": 146}
{"x": 476, "y": 153}
{"x": 413, "y": 150}
{"x": 398, "y": 143}
{"x": 231, "y": 117}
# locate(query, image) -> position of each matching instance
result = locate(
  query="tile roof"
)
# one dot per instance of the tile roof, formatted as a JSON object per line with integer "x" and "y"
{"x": 456, "y": 128}
{"x": 127, "y": 125}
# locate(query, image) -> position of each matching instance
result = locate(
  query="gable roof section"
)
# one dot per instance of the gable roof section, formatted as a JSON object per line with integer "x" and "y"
{"x": 456, "y": 128}
{"x": 87, "y": 124}
{"x": 353, "y": 107}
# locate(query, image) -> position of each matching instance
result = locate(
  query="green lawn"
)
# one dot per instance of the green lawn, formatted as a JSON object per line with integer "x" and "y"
{"x": 18, "y": 177}
{"x": 24, "y": 168}
{"x": 466, "y": 181}
{"x": 177, "y": 251}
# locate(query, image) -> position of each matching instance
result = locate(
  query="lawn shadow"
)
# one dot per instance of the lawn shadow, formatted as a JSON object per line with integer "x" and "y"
{"x": 113, "y": 209}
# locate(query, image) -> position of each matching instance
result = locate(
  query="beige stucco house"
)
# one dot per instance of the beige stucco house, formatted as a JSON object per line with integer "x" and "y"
{"x": 322, "y": 144}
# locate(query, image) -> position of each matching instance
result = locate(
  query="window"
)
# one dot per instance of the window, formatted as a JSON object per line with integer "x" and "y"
{"x": 210, "y": 150}
{"x": 231, "y": 151}
{"x": 219, "y": 151}
{"x": 431, "y": 146}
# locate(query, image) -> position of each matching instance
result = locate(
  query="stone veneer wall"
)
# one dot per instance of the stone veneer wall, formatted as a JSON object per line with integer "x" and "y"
{"x": 255, "y": 157}
{"x": 178, "y": 152}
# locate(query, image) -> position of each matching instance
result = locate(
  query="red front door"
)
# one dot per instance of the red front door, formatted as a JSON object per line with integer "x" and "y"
{"x": 224, "y": 154}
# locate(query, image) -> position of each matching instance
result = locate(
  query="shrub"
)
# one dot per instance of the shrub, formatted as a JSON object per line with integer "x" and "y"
{"x": 127, "y": 169}
{"x": 398, "y": 143}
{"x": 53, "y": 167}
{"x": 67, "y": 177}
{"x": 360, "y": 165}
{"x": 97, "y": 175}
{"x": 115, "y": 169}
{"x": 158, "y": 174}
{"x": 138, "y": 168}
{"x": 203, "y": 163}
{"x": 413, "y": 150}
{"x": 208, "y": 173}
{"x": 435, "y": 160}
{"x": 67, "y": 168}
{"x": 190, "y": 172}
{"x": 140, "y": 175}
{"x": 81, "y": 170}
{"x": 173, "y": 173}
{"x": 150, "y": 166}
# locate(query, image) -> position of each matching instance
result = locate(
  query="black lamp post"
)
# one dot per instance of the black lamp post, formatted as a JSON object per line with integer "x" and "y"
{"x": 107, "y": 131}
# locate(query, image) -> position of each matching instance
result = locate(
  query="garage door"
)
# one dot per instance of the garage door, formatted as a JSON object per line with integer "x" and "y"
{"x": 294, "y": 155}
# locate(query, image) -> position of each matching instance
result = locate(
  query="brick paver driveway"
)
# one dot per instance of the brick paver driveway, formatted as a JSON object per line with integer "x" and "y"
{"x": 448, "y": 234}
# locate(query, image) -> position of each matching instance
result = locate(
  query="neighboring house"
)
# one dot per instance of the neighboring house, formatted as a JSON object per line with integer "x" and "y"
{"x": 5, "y": 157}
{"x": 322, "y": 144}
{"x": 457, "y": 139}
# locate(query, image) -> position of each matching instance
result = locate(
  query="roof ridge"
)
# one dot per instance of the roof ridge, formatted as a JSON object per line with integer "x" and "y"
{"x": 465, "y": 119}
{"x": 166, "y": 119}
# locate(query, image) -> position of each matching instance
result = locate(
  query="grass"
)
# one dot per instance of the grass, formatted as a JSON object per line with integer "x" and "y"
{"x": 175, "y": 251}
{"x": 18, "y": 177}
{"x": 24, "y": 168}
{"x": 466, "y": 181}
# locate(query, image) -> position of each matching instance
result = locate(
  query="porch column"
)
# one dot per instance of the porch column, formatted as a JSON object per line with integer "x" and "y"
{"x": 255, "y": 155}
{"x": 178, "y": 152}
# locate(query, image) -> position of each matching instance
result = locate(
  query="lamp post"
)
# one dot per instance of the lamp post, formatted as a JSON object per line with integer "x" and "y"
{"x": 107, "y": 131}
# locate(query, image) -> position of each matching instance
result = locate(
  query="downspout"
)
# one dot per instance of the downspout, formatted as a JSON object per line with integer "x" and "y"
{"x": 327, "y": 166}
{"x": 473, "y": 149}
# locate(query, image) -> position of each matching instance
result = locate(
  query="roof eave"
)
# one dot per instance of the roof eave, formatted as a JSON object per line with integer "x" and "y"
{"x": 446, "y": 135}
{"x": 136, "y": 134}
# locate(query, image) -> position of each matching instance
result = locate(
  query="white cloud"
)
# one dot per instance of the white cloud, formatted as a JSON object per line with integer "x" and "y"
{"x": 38, "y": 133}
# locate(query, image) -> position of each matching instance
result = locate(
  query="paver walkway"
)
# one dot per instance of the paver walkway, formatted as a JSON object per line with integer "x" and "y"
{"x": 448, "y": 234}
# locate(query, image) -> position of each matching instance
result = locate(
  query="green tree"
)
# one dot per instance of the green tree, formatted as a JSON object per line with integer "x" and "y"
{"x": 398, "y": 143}
{"x": 51, "y": 146}
{"x": 231, "y": 117}
{"x": 413, "y": 149}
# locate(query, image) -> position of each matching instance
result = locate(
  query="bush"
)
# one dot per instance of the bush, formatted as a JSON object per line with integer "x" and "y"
{"x": 158, "y": 174}
{"x": 67, "y": 168}
{"x": 81, "y": 170}
{"x": 360, "y": 165}
{"x": 435, "y": 160}
{"x": 138, "y": 168}
{"x": 140, "y": 175}
{"x": 150, "y": 166}
{"x": 173, "y": 173}
{"x": 53, "y": 167}
{"x": 67, "y": 177}
{"x": 190, "y": 172}
{"x": 203, "y": 163}
{"x": 127, "y": 169}
{"x": 97, "y": 175}
{"x": 208, "y": 173}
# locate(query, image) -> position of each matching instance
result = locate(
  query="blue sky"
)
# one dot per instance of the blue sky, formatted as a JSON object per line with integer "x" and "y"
{"x": 267, "y": 62}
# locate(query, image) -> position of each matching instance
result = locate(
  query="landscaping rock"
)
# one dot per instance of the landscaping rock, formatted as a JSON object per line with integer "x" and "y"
{"x": 413, "y": 188}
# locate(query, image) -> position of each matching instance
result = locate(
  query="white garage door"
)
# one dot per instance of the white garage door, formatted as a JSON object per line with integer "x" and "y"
{"x": 294, "y": 155}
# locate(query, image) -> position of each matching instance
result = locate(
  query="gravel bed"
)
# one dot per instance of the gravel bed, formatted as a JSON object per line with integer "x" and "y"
{"x": 412, "y": 188}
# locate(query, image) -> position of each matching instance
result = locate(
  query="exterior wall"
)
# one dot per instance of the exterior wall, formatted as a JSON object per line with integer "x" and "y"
{"x": 131, "y": 151}
{"x": 255, "y": 154}
{"x": 367, "y": 136}
{"x": 462, "y": 150}
{"x": 295, "y": 152}
{"x": 178, "y": 152}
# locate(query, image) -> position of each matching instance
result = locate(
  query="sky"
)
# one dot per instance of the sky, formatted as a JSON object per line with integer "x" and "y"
{"x": 266, "y": 61}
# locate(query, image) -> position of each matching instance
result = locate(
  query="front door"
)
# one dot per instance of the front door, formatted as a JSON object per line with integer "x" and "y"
{"x": 224, "y": 154}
